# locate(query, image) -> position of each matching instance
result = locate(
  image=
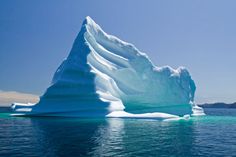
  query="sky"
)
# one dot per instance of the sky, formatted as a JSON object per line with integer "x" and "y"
{"x": 35, "y": 36}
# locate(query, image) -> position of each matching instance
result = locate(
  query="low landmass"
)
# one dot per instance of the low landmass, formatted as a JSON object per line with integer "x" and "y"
{"x": 218, "y": 105}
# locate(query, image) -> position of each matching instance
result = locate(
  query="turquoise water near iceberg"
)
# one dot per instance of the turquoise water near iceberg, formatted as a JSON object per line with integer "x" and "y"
{"x": 211, "y": 135}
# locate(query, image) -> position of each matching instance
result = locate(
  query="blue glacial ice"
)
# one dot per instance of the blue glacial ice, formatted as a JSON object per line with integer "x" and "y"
{"x": 104, "y": 76}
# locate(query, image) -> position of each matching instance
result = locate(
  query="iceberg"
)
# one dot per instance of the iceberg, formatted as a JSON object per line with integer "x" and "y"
{"x": 104, "y": 76}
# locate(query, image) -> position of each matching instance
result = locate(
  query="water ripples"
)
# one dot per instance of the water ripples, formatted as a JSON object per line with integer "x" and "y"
{"x": 206, "y": 136}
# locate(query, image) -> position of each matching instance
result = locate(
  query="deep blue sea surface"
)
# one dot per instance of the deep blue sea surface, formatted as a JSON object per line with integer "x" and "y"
{"x": 211, "y": 135}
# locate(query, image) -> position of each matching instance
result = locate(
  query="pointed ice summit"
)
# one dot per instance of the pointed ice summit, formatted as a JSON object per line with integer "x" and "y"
{"x": 105, "y": 76}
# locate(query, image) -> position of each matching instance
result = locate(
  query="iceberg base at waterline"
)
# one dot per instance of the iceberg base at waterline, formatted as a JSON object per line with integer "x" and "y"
{"x": 104, "y": 76}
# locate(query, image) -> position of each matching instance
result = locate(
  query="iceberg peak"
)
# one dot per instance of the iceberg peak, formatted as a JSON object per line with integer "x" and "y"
{"x": 89, "y": 21}
{"x": 91, "y": 26}
{"x": 104, "y": 75}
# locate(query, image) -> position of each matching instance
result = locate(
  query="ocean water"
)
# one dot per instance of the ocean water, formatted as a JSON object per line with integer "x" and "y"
{"x": 211, "y": 135}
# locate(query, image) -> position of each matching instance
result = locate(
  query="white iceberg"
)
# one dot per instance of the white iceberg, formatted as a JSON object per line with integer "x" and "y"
{"x": 105, "y": 76}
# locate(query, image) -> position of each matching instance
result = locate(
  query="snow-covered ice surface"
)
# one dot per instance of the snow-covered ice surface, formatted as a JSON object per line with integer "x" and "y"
{"x": 104, "y": 76}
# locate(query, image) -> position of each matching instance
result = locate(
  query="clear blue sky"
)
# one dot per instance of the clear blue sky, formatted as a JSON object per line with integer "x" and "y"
{"x": 35, "y": 36}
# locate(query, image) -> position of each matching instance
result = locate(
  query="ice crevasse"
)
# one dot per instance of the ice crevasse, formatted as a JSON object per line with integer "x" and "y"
{"x": 104, "y": 76}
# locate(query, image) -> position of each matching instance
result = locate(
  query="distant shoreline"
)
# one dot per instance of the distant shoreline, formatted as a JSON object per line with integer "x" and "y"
{"x": 218, "y": 105}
